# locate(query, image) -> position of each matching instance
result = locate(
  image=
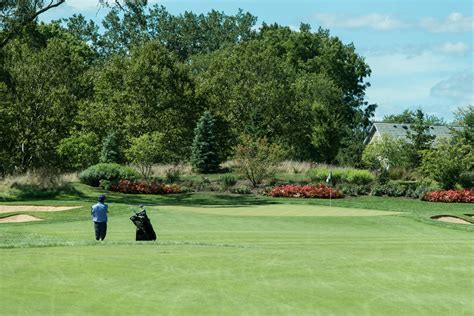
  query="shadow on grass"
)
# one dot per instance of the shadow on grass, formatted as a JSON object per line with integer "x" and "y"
{"x": 28, "y": 192}
{"x": 190, "y": 199}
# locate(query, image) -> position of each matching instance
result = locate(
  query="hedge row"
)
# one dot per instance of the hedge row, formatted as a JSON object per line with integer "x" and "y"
{"x": 107, "y": 171}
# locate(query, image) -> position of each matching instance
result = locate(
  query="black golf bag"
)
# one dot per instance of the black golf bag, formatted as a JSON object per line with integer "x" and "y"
{"x": 144, "y": 228}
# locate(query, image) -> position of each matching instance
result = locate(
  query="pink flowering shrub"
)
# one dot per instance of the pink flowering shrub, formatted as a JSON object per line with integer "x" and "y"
{"x": 450, "y": 196}
{"x": 306, "y": 191}
{"x": 143, "y": 187}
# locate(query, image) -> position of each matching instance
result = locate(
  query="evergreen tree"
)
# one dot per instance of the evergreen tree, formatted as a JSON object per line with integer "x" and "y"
{"x": 205, "y": 158}
{"x": 110, "y": 149}
{"x": 419, "y": 137}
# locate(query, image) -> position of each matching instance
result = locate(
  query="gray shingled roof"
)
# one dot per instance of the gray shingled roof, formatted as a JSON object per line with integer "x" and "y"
{"x": 400, "y": 130}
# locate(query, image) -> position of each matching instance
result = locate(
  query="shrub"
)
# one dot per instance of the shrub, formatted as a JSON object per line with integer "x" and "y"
{"x": 144, "y": 187}
{"x": 466, "y": 179}
{"x": 147, "y": 150}
{"x": 359, "y": 177}
{"x": 420, "y": 192}
{"x": 378, "y": 190}
{"x": 353, "y": 189}
{"x": 399, "y": 173}
{"x": 241, "y": 189}
{"x": 306, "y": 191}
{"x": 450, "y": 196}
{"x": 173, "y": 174}
{"x": 386, "y": 152}
{"x": 228, "y": 180}
{"x": 389, "y": 189}
{"x": 382, "y": 176}
{"x": 445, "y": 162}
{"x": 341, "y": 175}
{"x": 203, "y": 184}
{"x": 105, "y": 184}
{"x": 320, "y": 174}
{"x": 257, "y": 159}
{"x": 107, "y": 171}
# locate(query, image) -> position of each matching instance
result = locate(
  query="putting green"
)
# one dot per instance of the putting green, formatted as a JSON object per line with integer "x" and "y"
{"x": 279, "y": 210}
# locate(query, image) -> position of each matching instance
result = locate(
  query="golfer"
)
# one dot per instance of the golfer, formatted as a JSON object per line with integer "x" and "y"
{"x": 99, "y": 217}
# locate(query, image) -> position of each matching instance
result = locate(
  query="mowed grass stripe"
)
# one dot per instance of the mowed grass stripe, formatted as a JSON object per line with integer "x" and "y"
{"x": 280, "y": 210}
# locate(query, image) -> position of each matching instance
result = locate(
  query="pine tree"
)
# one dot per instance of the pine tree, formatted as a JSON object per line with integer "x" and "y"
{"x": 110, "y": 149}
{"x": 419, "y": 137}
{"x": 205, "y": 158}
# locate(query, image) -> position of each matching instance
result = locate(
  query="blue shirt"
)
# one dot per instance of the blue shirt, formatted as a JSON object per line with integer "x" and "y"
{"x": 99, "y": 212}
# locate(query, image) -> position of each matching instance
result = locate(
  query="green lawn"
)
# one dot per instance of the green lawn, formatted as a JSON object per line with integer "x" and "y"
{"x": 232, "y": 255}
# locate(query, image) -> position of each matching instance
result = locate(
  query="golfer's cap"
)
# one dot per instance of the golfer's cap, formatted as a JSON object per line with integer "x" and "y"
{"x": 101, "y": 197}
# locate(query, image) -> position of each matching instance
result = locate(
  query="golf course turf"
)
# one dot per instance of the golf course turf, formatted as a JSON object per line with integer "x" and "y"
{"x": 232, "y": 255}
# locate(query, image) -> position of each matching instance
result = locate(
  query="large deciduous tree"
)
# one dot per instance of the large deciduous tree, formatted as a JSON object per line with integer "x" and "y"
{"x": 147, "y": 91}
{"x": 47, "y": 83}
{"x": 289, "y": 87}
{"x": 18, "y": 16}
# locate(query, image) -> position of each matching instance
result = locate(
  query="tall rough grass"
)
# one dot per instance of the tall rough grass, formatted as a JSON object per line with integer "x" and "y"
{"x": 38, "y": 179}
{"x": 163, "y": 170}
{"x": 294, "y": 167}
{"x": 341, "y": 175}
{"x": 37, "y": 185}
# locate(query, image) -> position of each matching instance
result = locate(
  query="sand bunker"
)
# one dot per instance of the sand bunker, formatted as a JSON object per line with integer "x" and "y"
{"x": 19, "y": 219}
{"x": 450, "y": 219}
{"x": 33, "y": 208}
{"x": 470, "y": 215}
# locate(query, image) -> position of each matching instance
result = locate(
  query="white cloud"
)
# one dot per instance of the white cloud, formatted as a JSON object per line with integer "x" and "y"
{"x": 374, "y": 20}
{"x": 455, "y": 22}
{"x": 400, "y": 64}
{"x": 458, "y": 87}
{"x": 83, "y": 4}
{"x": 458, "y": 48}
{"x": 399, "y": 81}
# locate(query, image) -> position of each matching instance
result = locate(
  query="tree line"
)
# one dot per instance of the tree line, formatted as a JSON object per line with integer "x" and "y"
{"x": 68, "y": 87}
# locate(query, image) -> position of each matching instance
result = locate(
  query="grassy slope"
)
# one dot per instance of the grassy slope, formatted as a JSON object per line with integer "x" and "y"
{"x": 212, "y": 264}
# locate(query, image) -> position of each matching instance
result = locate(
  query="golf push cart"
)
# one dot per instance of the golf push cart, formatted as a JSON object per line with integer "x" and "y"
{"x": 144, "y": 228}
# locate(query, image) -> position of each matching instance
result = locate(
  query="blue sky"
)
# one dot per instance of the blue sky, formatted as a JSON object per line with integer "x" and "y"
{"x": 420, "y": 51}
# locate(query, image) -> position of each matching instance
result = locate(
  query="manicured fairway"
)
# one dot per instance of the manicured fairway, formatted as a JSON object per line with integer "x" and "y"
{"x": 281, "y": 210}
{"x": 260, "y": 260}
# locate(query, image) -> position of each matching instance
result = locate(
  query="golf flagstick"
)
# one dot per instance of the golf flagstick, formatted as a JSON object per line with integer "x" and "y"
{"x": 329, "y": 182}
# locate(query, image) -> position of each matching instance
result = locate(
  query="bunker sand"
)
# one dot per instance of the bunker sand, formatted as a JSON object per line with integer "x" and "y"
{"x": 280, "y": 210}
{"x": 34, "y": 208}
{"x": 19, "y": 219}
{"x": 450, "y": 219}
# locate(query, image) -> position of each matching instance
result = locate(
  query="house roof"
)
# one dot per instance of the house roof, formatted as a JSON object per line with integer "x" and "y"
{"x": 400, "y": 130}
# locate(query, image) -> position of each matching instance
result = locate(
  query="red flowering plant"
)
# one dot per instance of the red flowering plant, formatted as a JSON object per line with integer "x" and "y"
{"x": 450, "y": 196}
{"x": 320, "y": 190}
{"x": 144, "y": 187}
